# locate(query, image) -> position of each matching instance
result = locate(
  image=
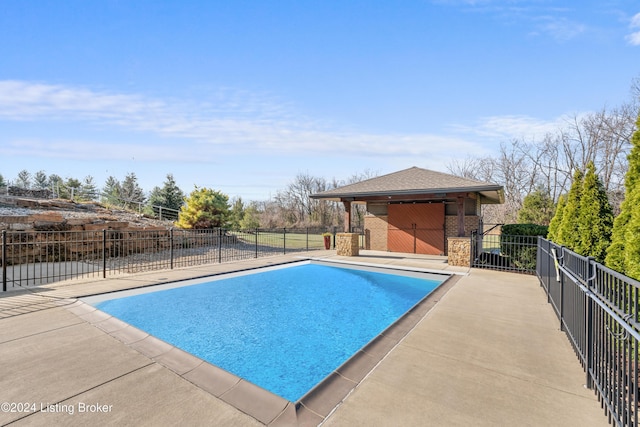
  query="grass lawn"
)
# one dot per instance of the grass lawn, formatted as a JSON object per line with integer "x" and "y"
{"x": 292, "y": 240}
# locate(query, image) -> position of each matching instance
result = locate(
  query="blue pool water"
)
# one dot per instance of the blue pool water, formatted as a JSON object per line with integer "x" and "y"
{"x": 285, "y": 329}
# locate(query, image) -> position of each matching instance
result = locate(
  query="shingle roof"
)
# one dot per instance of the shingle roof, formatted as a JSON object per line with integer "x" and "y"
{"x": 413, "y": 181}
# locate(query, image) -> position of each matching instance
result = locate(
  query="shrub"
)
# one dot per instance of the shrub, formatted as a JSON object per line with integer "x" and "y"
{"x": 519, "y": 242}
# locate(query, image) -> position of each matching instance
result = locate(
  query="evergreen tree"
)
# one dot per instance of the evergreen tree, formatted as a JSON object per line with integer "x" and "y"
{"x": 155, "y": 199}
{"x": 237, "y": 213}
{"x": 568, "y": 230}
{"x": 24, "y": 179}
{"x": 169, "y": 196}
{"x": 3, "y": 183}
{"x": 56, "y": 184}
{"x": 73, "y": 189}
{"x": 632, "y": 237}
{"x": 40, "y": 180}
{"x": 111, "y": 191}
{"x": 130, "y": 192}
{"x": 172, "y": 194}
{"x": 88, "y": 189}
{"x": 251, "y": 217}
{"x": 555, "y": 222}
{"x": 595, "y": 219}
{"x": 623, "y": 255}
{"x": 204, "y": 208}
{"x": 537, "y": 208}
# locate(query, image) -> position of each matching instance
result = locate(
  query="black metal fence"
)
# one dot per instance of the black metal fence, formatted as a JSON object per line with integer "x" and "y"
{"x": 599, "y": 310}
{"x": 504, "y": 252}
{"x": 36, "y": 258}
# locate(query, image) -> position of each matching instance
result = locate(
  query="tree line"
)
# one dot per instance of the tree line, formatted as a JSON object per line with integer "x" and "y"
{"x": 546, "y": 166}
{"x": 290, "y": 207}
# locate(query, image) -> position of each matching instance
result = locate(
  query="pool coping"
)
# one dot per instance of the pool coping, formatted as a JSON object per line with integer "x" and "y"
{"x": 272, "y": 410}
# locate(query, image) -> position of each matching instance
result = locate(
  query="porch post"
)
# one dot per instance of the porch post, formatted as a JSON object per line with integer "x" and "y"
{"x": 347, "y": 216}
{"x": 460, "y": 216}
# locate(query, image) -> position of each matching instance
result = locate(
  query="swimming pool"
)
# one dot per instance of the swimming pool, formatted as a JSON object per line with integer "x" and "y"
{"x": 285, "y": 328}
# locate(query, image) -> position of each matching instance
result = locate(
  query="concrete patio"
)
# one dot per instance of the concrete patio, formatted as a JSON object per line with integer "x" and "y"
{"x": 490, "y": 352}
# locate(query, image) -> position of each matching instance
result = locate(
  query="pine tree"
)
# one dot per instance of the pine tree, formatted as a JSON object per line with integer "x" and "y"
{"x": 24, "y": 179}
{"x": 595, "y": 217}
{"x": 111, "y": 191}
{"x": 169, "y": 196}
{"x": 56, "y": 184}
{"x": 568, "y": 229}
{"x": 130, "y": 192}
{"x": 632, "y": 237}
{"x": 204, "y": 208}
{"x": 622, "y": 255}
{"x": 73, "y": 189}
{"x": 173, "y": 195}
{"x": 40, "y": 180}
{"x": 554, "y": 225}
{"x": 88, "y": 189}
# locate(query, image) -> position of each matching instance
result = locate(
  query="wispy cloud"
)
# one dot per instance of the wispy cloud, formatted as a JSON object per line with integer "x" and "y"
{"x": 558, "y": 27}
{"x": 203, "y": 130}
{"x": 634, "y": 38}
{"x": 537, "y": 18}
{"x": 504, "y": 128}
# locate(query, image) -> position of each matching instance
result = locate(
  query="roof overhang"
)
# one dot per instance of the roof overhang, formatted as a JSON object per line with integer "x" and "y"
{"x": 490, "y": 194}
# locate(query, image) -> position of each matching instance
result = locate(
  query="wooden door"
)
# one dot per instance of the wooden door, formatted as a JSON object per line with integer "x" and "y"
{"x": 416, "y": 228}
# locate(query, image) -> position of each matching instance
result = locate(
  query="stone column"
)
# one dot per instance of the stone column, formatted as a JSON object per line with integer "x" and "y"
{"x": 347, "y": 244}
{"x": 459, "y": 251}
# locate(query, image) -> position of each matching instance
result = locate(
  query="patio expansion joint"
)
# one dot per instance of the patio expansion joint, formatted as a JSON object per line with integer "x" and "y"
{"x": 85, "y": 391}
{"x": 43, "y": 332}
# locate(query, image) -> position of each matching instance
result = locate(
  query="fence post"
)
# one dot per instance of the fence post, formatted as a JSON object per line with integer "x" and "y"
{"x": 589, "y": 326}
{"x": 257, "y": 230}
{"x": 4, "y": 260}
{"x": 307, "y": 239}
{"x": 284, "y": 240}
{"x": 561, "y": 274}
{"x": 335, "y": 231}
{"x": 104, "y": 253}
{"x": 170, "y": 247}
{"x": 550, "y": 261}
{"x": 219, "y": 245}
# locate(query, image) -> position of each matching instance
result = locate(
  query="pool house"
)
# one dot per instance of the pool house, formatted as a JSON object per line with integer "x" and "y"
{"x": 416, "y": 210}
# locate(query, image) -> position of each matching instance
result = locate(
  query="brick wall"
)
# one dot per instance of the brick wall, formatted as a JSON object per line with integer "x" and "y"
{"x": 471, "y": 222}
{"x": 375, "y": 232}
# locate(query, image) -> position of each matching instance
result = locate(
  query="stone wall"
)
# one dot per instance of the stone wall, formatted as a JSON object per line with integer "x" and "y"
{"x": 459, "y": 251}
{"x": 347, "y": 244}
{"x": 23, "y": 192}
{"x": 54, "y": 221}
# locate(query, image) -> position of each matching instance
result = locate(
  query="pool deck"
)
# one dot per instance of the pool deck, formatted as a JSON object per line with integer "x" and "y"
{"x": 489, "y": 353}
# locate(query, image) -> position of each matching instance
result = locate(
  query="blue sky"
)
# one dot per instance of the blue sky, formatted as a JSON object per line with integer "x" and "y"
{"x": 241, "y": 96}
